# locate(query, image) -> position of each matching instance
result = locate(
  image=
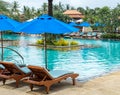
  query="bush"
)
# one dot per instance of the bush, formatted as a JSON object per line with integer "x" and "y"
{"x": 110, "y": 36}
{"x": 73, "y": 43}
{"x": 41, "y": 42}
{"x": 61, "y": 42}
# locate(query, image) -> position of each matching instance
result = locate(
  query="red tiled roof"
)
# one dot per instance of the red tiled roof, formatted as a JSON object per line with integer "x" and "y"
{"x": 73, "y": 14}
{"x": 76, "y": 16}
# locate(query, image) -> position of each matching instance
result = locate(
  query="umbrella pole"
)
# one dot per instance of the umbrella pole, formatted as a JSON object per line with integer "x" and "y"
{"x": 45, "y": 49}
{"x": 1, "y": 47}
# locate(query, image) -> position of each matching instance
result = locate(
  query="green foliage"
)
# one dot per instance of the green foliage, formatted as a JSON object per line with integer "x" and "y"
{"x": 62, "y": 17}
{"x": 104, "y": 15}
{"x": 73, "y": 43}
{"x": 61, "y": 42}
{"x": 40, "y": 42}
{"x": 4, "y": 7}
{"x": 111, "y": 36}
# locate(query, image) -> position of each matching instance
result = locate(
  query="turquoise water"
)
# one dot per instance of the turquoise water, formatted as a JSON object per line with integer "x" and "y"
{"x": 88, "y": 62}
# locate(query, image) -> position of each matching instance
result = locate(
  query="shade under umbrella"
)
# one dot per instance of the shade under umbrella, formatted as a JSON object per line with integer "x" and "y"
{"x": 6, "y": 23}
{"x": 46, "y": 24}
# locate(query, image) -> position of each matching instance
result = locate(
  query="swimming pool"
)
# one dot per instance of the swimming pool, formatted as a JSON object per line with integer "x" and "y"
{"x": 88, "y": 62}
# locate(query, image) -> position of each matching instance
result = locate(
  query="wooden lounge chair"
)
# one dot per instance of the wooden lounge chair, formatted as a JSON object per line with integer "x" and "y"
{"x": 89, "y": 34}
{"x": 94, "y": 34}
{"x": 81, "y": 34}
{"x": 1, "y": 68}
{"x": 41, "y": 76}
{"x": 13, "y": 71}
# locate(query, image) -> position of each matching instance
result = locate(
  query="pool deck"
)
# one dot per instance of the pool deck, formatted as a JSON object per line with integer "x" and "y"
{"x": 105, "y": 85}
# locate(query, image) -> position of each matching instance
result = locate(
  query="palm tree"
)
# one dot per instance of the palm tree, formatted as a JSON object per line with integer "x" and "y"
{"x": 14, "y": 11}
{"x": 44, "y": 8}
{"x": 27, "y": 13}
{"x": 38, "y": 12}
{"x": 80, "y": 9}
{"x": 4, "y": 7}
{"x": 50, "y": 12}
{"x": 58, "y": 8}
{"x": 15, "y": 7}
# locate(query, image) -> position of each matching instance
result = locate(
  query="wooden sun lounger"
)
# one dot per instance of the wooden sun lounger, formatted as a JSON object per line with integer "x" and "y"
{"x": 41, "y": 76}
{"x": 13, "y": 71}
{"x": 1, "y": 68}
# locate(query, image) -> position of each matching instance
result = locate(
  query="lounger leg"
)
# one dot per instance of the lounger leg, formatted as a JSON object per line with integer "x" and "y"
{"x": 31, "y": 87}
{"x": 73, "y": 79}
{"x": 47, "y": 89}
{"x": 4, "y": 80}
{"x": 17, "y": 83}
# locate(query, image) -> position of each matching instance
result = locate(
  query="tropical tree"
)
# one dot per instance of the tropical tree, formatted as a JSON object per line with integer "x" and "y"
{"x": 14, "y": 10}
{"x": 58, "y": 7}
{"x": 44, "y": 8}
{"x": 115, "y": 18}
{"x": 105, "y": 18}
{"x": 38, "y": 12}
{"x": 27, "y": 12}
{"x": 50, "y": 7}
{"x": 80, "y": 9}
{"x": 62, "y": 17}
{"x": 4, "y": 7}
{"x": 15, "y": 7}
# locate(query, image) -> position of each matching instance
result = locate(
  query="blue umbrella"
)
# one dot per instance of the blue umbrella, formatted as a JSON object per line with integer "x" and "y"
{"x": 97, "y": 24}
{"x": 6, "y": 24}
{"x": 85, "y": 24}
{"x": 46, "y": 24}
{"x": 73, "y": 24}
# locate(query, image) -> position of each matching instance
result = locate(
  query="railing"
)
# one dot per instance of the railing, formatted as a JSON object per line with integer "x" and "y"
{"x": 10, "y": 57}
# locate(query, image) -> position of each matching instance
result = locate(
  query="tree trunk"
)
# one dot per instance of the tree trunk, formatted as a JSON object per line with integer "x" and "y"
{"x": 50, "y": 12}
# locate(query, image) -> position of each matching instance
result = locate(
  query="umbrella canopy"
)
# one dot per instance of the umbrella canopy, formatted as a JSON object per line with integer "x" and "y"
{"x": 6, "y": 24}
{"x": 85, "y": 24}
{"x": 46, "y": 24}
{"x": 73, "y": 24}
{"x": 97, "y": 24}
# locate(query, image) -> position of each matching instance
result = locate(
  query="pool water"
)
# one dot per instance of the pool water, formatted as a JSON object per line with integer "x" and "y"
{"x": 88, "y": 62}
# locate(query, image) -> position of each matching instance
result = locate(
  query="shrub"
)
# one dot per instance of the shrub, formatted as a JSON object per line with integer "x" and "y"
{"x": 41, "y": 42}
{"x": 61, "y": 42}
{"x": 111, "y": 36}
{"x": 73, "y": 43}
